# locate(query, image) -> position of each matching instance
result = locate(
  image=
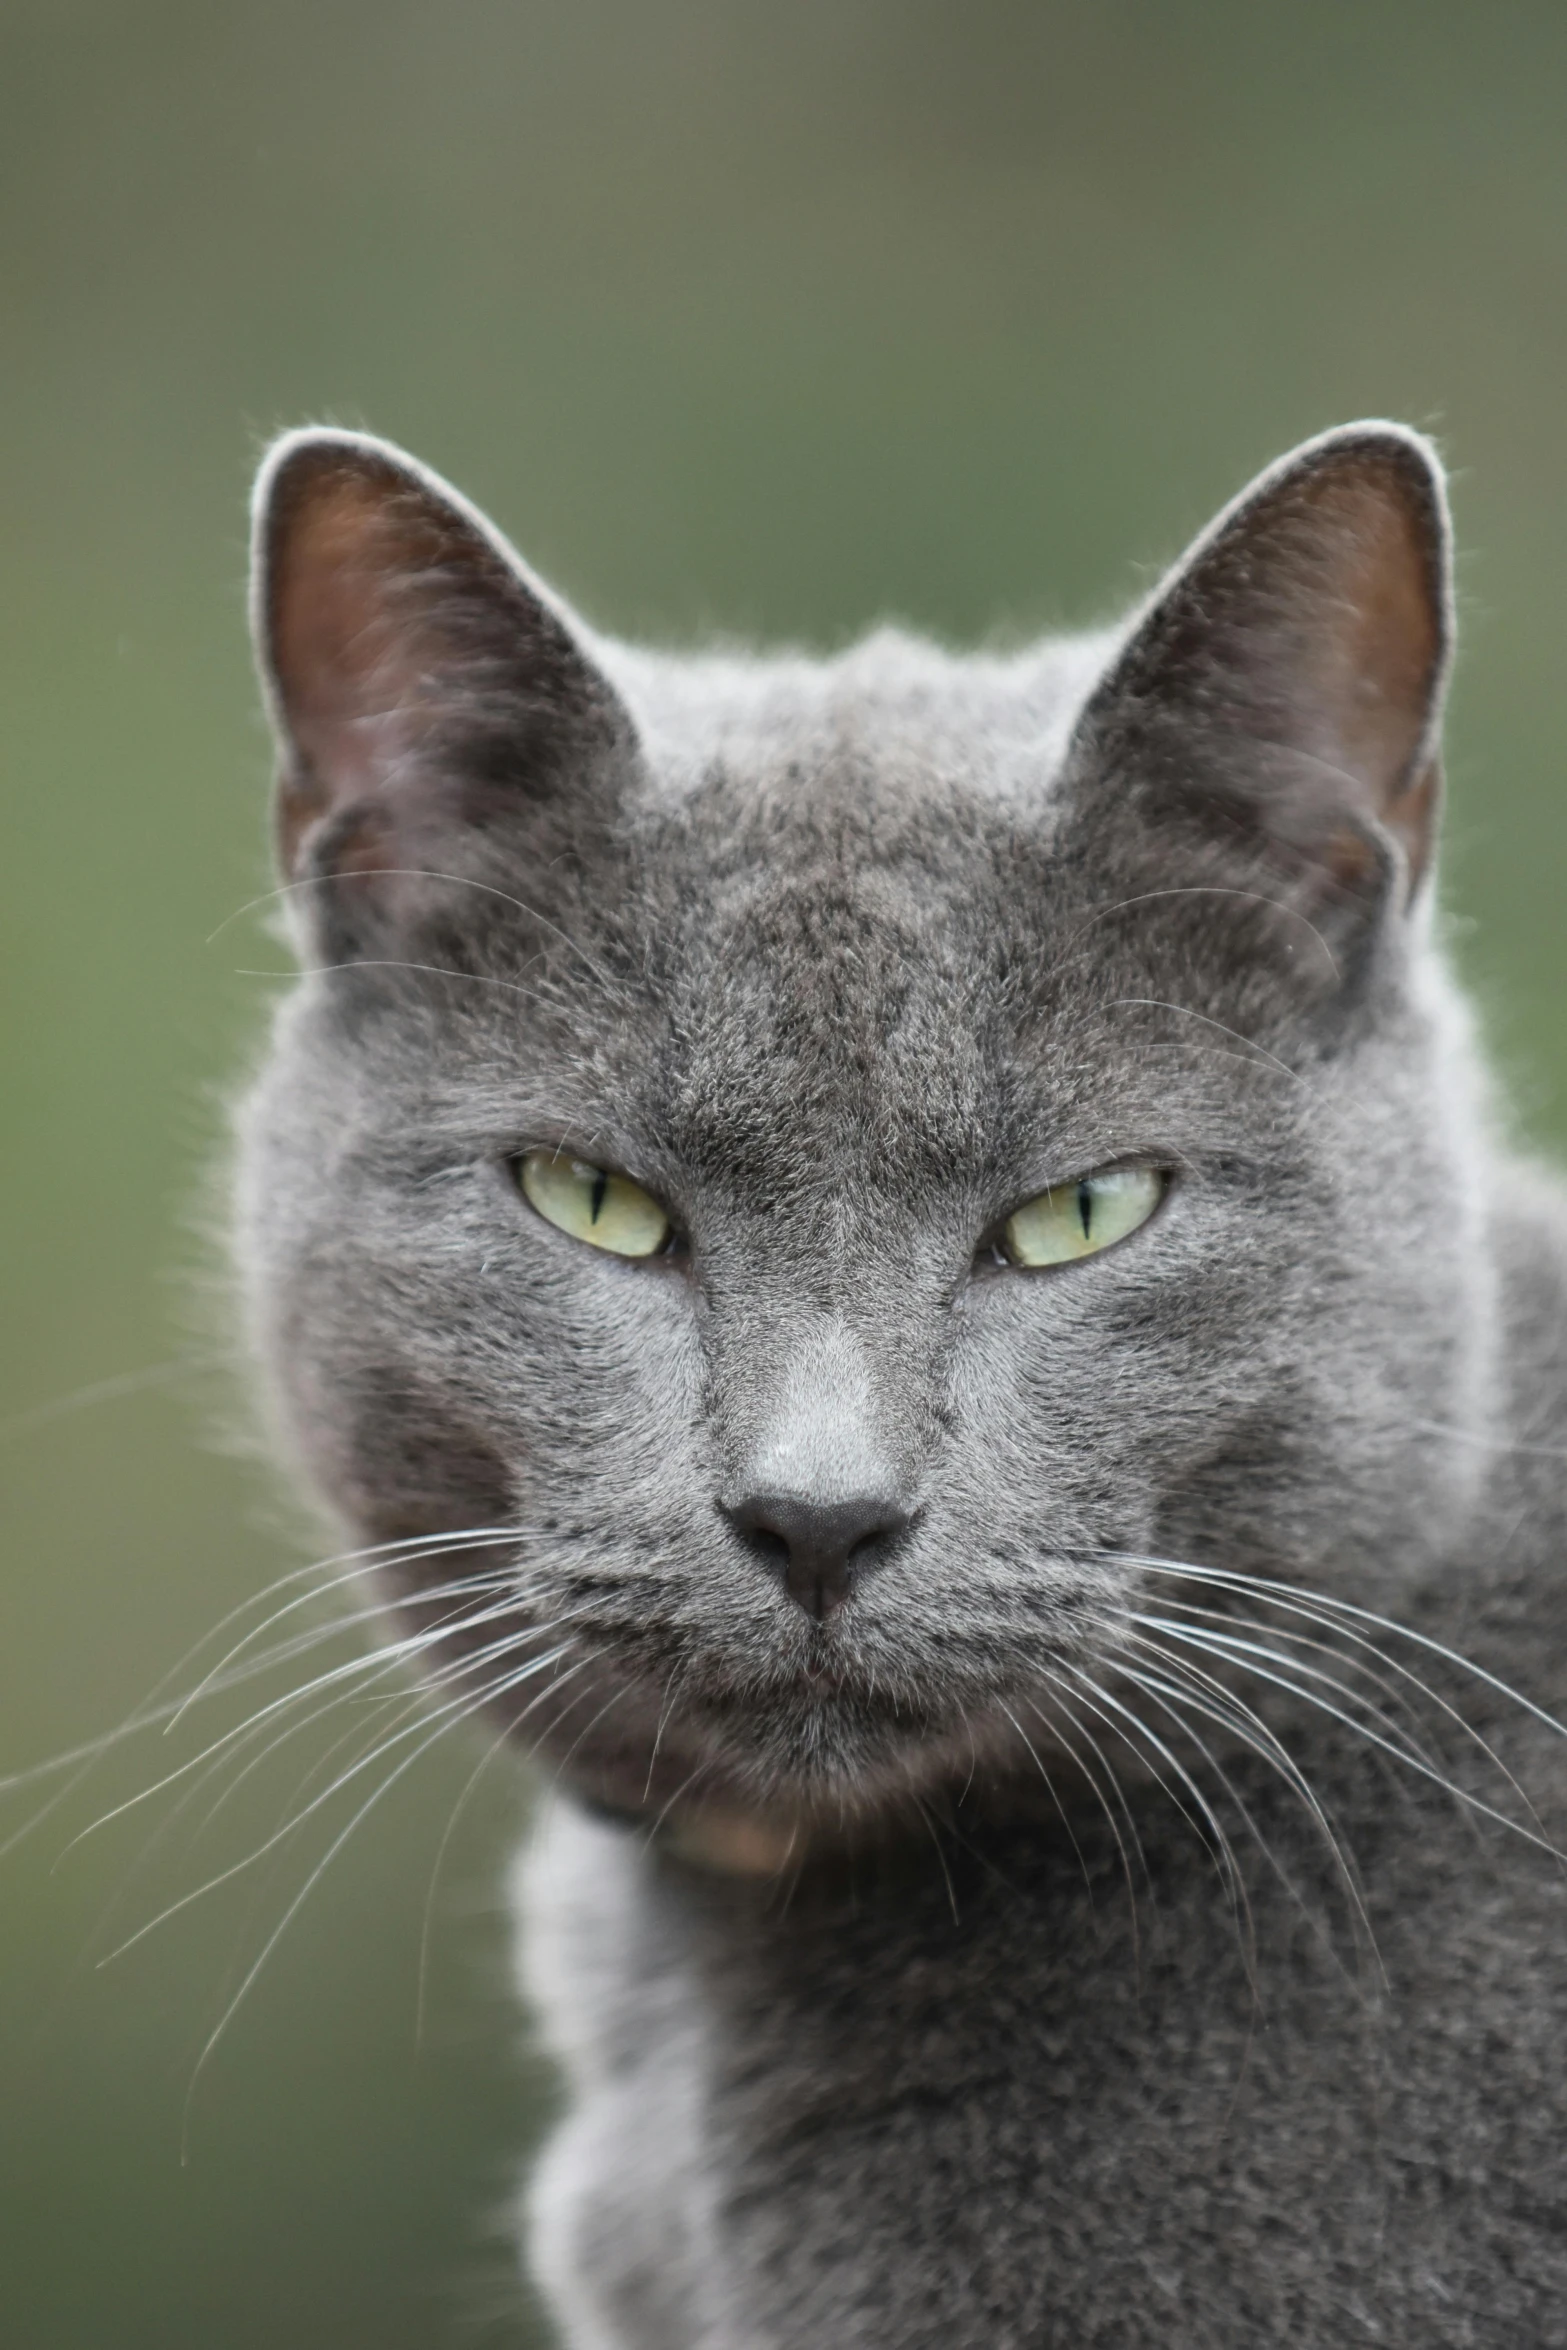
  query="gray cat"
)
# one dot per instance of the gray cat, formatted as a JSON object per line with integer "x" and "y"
{"x": 907, "y": 1256}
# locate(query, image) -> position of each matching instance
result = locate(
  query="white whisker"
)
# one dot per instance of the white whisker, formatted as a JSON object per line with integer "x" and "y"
{"x": 366, "y": 1762}
{"x": 1219, "y": 1851}
{"x": 1196, "y": 1692}
{"x": 377, "y": 1661}
{"x": 1050, "y": 1786}
{"x": 1226, "y": 1709}
{"x": 367, "y": 1565}
{"x": 1064, "y": 1702}
{"x": 1290, "y": 1592}
{"x": 1400, "y": 1753}
{"x": 1303, "y": 1606}
{"x": 1233, "y": 1645}
{"x": 149, "y": 1713}
{"x": 448, "y": 1721}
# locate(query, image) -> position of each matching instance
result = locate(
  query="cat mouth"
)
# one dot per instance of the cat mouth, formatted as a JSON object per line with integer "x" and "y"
{"x": 821, "y": 1692}
{"x": 824, "y": 1674}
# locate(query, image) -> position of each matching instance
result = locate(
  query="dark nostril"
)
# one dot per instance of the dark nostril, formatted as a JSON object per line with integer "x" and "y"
{"x": 819, "y": 1548}
{"x": 767, "y": 1545}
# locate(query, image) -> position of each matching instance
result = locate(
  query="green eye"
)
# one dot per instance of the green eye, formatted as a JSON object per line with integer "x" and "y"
{"x": 608, "y": 1211}
{"x": 1083, "y": 1217}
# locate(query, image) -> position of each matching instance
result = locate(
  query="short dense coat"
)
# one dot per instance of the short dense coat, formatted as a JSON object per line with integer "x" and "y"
{"x": 1110, "y": 1914}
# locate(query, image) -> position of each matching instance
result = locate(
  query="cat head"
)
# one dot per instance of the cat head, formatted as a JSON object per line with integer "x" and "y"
{"x": 835, "y": 1166}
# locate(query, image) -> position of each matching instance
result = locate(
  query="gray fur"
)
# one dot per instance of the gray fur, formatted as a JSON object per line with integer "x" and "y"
{"x": 887, "y": 2019}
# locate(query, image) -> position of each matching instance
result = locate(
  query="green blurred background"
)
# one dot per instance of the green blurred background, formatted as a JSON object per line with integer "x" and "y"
{"x": 772, "y": 318}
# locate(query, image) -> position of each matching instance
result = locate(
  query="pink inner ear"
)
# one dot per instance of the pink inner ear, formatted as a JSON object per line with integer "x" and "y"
{"x": 1379, "y": 640}
{"x": 426, "y": 691}
{"x": 347, "y": 666}
{"x": 1378, "y": 643}
{"x": 1313, "y": 622}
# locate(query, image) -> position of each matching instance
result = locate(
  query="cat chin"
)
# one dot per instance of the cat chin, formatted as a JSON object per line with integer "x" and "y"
{"x": 766, "y": 1771}
{"x": 774, "y": 1814}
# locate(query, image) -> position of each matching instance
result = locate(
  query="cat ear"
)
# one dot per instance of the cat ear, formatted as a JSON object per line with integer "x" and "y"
{"x": 424, "y": 688}
{"x": 1285, "y": 683}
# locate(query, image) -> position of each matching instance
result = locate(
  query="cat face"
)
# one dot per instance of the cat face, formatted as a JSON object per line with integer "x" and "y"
{"x": 809, "y": 978}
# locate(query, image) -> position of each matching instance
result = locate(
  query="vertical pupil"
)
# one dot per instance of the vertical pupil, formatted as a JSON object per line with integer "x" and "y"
{"x": 601, "y": 1185}
{"x": 1085, "y": 1207}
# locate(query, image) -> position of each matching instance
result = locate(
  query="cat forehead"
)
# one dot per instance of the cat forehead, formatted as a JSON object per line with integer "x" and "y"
{"x": 837, "y": 855}
{"x": 890, "y": 714}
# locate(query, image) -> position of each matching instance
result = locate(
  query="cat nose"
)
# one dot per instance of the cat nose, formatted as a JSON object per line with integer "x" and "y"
{"x": 819, "y": 1548}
